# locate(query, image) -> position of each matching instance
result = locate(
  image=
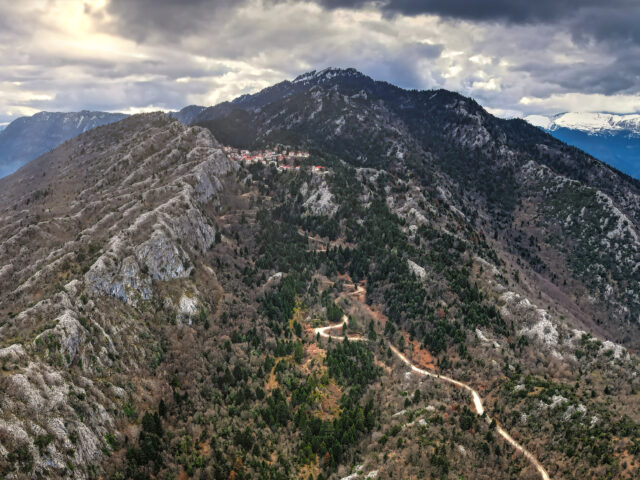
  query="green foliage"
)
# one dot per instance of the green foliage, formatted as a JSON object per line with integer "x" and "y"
{"x": 440, "y": 460}
{"x": 334, "y": 313}
{"x": 278, "y": 305}
{"x": 20, "y": 457}
{"x": 277, "y": 412}
{"x": 282, "y": 248}
{"x": 41, "y": 441}
{"x": 352, "y": 364}
{"x": 331, "y": 439}
{"x": 592, "y": 238}
{"x": 129, "y": 410}
{"x": 111, "y": 441}
{"x": 468, "y": 419}
{"x": 381, "y": 258}
{"x": 146, "y": 457}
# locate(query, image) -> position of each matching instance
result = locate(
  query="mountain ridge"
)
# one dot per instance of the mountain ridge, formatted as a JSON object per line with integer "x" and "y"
{"x": 29, "y": 137}
{"x": 236, "y": 110}
{"x": 354, "y": 82}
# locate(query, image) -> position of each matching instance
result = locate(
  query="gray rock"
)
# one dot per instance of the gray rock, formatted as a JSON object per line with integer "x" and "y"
{"x": 162, "y": 258}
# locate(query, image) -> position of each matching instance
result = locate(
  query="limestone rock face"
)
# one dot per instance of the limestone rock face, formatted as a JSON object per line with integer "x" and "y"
{"x": 187, "y": 308}
{"x": 192, "y": 226}
{"x": 161, "y": 258}
{"x": 45, "y": 397}
{"x": 12, "y": 352}
{"x": 419, "y": 271}
{"x": 68, "y": 332}
{"x": 320, "y": 199}
{"x": 122, "y": 280}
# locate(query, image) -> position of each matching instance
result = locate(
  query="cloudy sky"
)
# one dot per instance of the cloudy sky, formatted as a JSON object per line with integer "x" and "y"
{"x": 516, "y": 57}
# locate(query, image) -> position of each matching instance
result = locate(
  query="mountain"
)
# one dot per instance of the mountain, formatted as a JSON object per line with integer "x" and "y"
{"x": 441, "y": 136}
{"x": 236, "y": 109}
{"x": 188, "y": 114}
{"x": 29, "y": 137}
{"x": 449, "y": 291}
{"x": 614, "y": 139}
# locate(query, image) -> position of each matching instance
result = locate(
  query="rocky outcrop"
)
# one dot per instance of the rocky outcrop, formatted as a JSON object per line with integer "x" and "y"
{"x": 161, "y": 258}
{"x": 121, "y": 279}
{"x": 68, "y": 333}
{"x": 128, "y": 269}
{"x": 417, "y": 270}
{"x": 319, "y": 199}
{"x": 187, "y": 308}
{"x": 43, "y": 399}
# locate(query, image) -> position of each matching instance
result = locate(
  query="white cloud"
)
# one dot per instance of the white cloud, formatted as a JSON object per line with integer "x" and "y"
{"x": 491, "y": 84}
{"x": 96, "y": 56}
{"x": 505, "y": 112}
{"x": 480, "y": 59}
{"x": 578, "y": 102}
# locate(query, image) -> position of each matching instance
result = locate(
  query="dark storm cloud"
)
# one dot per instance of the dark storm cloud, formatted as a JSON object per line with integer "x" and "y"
{"x": 141, "y": 19}
{"x": 514, "y": 11}
{"x": 612, "y": 24}
{"x": 608, "y": 22}
{"x": 603, "y": 20}
{"x": 402, "y": 70}
{"x": 157, "y": 93}
{"x": 614, "y": 77}
{"x": 616, "y": 21}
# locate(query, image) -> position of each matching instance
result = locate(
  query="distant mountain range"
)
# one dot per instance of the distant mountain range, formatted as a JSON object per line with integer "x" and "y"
{"x": 29, "y": 137}
{"x": 614, "y": 139}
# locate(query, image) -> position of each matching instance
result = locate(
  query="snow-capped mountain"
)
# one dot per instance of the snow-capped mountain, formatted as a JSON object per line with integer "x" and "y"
{"x": 320, "y": 76}
{"x": 29, "y": 137}
{"x": 614, "y": 139}
{"x": 592, "y": 123}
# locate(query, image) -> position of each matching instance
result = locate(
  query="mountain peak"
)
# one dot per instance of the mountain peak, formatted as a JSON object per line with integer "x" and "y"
{"x": 320, "y": 76}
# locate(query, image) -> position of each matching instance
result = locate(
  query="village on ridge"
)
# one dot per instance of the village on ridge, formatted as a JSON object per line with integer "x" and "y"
{"x": 283, "y": 157}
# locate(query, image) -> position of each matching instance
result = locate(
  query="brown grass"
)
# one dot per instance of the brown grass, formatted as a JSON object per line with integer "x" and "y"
{"x": 420, "y": 356}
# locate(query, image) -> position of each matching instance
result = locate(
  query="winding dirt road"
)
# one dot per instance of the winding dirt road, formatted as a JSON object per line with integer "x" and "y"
{"x": 477, "y": 400}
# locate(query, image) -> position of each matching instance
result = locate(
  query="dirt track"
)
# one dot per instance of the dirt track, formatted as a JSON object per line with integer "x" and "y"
{"x": 477, "y": 400}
